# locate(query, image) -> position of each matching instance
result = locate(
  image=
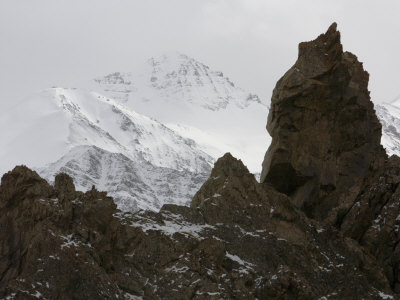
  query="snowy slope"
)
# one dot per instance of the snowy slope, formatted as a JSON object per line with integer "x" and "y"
{"x": 134, "y": 184}
{"x": 54, "y": 121}
{"x": 177, "y": 79}
{"x": 101, "y": 134}
{"x": 389, "y": 116}
{"x": 200, "y": 103}
{"x": 98, "y": 141}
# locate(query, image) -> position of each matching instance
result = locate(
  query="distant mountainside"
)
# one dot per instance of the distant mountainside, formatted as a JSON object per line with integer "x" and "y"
{"x": 199, "y": 103}
{"x": 134, "y": 183}
{"x": 99, "y": 142}
{"x": 58, "y": 119}
{"x": 389, "y": 116}
{"x": 176, "y": 79}
{"x": 100, "y": 135}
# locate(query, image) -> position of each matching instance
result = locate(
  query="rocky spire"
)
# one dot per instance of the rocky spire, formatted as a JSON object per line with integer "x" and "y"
{"x": 325, "y": 134}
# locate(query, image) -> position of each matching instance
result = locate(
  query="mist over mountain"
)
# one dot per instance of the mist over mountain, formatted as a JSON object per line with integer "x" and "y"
{"x": 161, "y": 128}
{"x": 189, "y": 97}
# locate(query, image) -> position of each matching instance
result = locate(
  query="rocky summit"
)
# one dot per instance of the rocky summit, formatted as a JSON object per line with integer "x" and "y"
{"x": 322, "y": 224}
{"x": 325, "y": 133}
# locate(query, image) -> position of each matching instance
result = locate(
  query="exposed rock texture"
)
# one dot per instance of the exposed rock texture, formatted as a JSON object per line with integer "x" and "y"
{"x": 374, "y": 219}
{"x": 240, "y": 240}
{"x": 326, "y": 153}
{"x": 134, "y": 184}
{"x": 325, "y": 134}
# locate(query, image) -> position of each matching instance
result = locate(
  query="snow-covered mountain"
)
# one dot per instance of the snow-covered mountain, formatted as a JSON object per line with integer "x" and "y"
{"x": 99, "y": 142}
{"x": 101, "y": 134}
{"x": 55, "y": 120}
{"x": 176, "y": 80}
{"x": 199, "y": 103}
{"x": 134, "y": 183}
{"x": 389, "y": 116}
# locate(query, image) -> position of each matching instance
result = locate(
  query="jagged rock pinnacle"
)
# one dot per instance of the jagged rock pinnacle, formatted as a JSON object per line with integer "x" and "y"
{"x": 325, "y": 134}
{"x": 318, "y": 56}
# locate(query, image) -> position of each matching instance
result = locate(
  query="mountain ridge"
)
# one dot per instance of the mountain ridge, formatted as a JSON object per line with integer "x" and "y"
{"x": 184, "y": 93}
{"x": 56, "y": 121}
{"x": 60, "y": 123}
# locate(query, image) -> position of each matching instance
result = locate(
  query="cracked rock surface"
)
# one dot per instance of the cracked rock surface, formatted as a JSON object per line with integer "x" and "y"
{"x": 240, "y": 239}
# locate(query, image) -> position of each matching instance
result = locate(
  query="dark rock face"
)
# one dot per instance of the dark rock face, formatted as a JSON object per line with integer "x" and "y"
{"x": 373, "y": 220}
{"x": 325, "y": 134}
{"x": 240, "y": 240}
{"x": 326, "y": 153}
{"x": 47, "y": 235}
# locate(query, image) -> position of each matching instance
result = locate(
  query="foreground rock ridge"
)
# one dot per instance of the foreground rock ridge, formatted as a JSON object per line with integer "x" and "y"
{"x": 240, "y": 239}
{"x": 323, "y": 224}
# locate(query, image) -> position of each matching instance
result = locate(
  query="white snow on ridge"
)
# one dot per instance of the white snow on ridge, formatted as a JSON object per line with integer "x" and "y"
{"x": 54, "y": 121}
{"x": 134, "y": 184}
{"x": 199, "y": 103}
{"x": 148, "y": 137}
{"x": 389, "y": 116}
{"x": 139, "y": 161}
{"x": 177, "y": 79}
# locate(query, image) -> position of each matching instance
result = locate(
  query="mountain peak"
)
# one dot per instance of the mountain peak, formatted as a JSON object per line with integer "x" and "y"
{"x": 174, "y": 77}
{"x": 182, "y": 92}
{"x": 318, "y": 55}
{"x": 169, "y": 56}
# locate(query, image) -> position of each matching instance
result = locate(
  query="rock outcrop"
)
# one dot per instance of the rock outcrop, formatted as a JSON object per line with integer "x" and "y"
{"x": 325, "y": 134}
{"x": 239, "y": 240}
{"x": 326, "y": 153}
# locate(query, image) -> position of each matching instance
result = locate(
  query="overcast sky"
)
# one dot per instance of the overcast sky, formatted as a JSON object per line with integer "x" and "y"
{"x": 53, "y": 42}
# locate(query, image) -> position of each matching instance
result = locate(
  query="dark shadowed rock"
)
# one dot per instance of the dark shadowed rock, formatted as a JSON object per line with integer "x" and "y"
{"x": 227, "y": 169}
{"x": 22, "y": 183}
{"x": 325, "y": 134}
{"x": 326, "y": 154}
{"x": 64, "y": 186}
{"x": 240, "y": 240}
